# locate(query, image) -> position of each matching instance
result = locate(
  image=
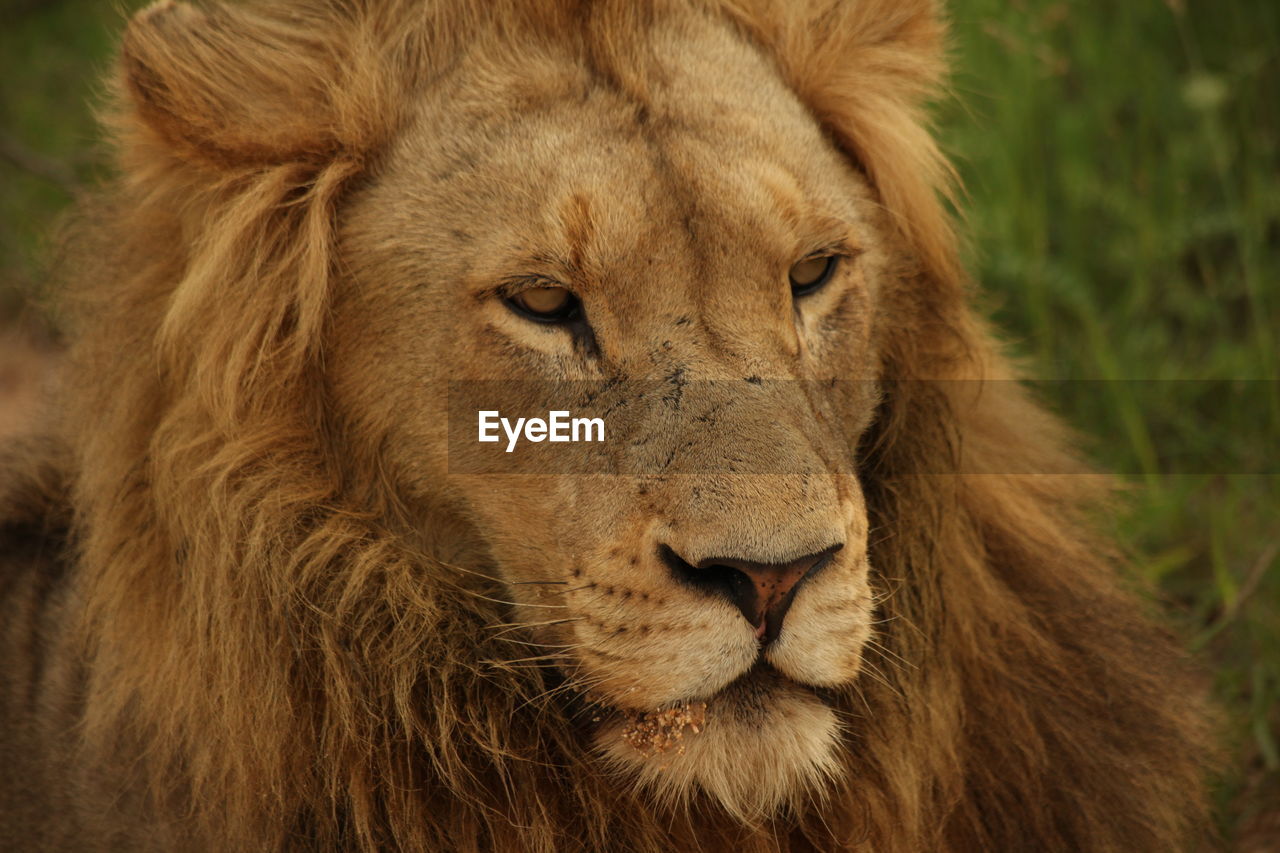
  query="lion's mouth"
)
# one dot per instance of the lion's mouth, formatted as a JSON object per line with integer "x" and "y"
{"x": 745, "y": 700}
{"x": 763, "y": 739}
{"x": 748, "y": 694}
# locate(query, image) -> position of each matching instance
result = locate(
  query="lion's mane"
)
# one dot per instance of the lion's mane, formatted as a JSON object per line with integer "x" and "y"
{"x": 293, "y": 674}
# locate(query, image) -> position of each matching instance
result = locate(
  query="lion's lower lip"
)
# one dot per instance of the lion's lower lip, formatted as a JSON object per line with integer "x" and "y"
{"x": 761, "y": 673}
{"x": 748, "y": 688}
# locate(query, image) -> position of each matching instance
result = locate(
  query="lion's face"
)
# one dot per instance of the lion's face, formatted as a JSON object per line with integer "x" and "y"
{"x": 704, "y": 257}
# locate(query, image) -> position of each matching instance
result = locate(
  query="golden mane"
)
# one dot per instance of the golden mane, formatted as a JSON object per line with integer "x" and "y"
{"x": 295, "y": 675}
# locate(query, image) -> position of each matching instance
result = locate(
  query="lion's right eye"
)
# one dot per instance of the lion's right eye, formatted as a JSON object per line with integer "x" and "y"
{"x": 812, "y": 273}
{"x": 545, "y": 304}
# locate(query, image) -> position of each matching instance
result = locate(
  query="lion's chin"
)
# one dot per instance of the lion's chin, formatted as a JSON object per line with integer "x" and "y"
{"x": 758, "y": 747}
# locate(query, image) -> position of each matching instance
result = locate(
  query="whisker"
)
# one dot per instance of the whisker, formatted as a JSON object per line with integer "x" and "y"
{"x": 467, "y": 571}
{"x": 876, "y": 675}
{"x": 881, "y": 596}
{"x": 912, "y": 625}
{"x": 878, "y": 542}
{"x": 508, "y": 627}
{"x": 512, "y": 603}
{"x": 475, "y": 573}
{"x": 871, "y": 641}
{"x": 862, "y": 696}
{"x": 544, "y": 645}
{"x": 569, "y": 685}
{"x": 556, "y": 656}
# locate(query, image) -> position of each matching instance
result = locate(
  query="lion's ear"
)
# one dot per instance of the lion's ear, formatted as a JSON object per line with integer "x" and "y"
{"x": 228, "y": 86}
{"x": 865, "y": 68}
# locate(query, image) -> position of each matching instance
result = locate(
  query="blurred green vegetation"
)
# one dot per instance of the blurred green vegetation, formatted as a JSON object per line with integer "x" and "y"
{"x": 1122, "y": 162}
{"x": 53, "y": 54}
{"x": 1122, "y": 165}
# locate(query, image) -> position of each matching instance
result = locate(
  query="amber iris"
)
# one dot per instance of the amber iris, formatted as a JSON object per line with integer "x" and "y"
{"x": 812, "y": 273}
{"x": 545, "y": 304}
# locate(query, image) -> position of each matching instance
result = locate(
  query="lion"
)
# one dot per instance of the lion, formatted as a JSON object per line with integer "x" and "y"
{"x": 834, "y": 583}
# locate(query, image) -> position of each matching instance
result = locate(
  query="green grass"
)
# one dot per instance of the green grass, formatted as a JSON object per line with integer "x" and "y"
{"x": 52, "y": 55}
{"x": 1123, "y": 168}
{"x": 1122, "y": 163}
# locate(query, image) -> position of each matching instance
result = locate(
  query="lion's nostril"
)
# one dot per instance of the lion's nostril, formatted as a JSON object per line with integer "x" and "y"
{"x": 761, "y": 591}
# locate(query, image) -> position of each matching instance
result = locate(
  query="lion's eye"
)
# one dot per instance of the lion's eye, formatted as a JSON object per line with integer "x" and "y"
{"x": 545, "y": 304}
{"x": 812, "y": 273}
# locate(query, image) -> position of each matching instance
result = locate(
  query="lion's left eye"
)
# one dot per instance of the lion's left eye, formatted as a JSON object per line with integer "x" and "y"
{"x": 545, "y": 304}
{"x": 812, "y": 273}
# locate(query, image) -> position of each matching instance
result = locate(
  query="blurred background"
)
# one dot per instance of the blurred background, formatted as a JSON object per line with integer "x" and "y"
{"x": 1122, "y": 170}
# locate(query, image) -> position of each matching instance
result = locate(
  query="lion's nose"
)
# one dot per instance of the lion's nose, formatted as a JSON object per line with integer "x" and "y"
{"x": 762, "y": 591}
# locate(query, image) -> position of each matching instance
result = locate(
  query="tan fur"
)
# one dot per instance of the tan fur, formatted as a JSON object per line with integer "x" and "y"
{"x": 293, "y": 621}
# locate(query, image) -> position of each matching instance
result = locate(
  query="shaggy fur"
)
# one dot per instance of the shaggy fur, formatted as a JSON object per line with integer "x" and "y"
{"x": 247, "y": 645}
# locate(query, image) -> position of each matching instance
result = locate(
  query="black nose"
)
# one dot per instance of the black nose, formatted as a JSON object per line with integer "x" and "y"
{"x": 762, "y": 591}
